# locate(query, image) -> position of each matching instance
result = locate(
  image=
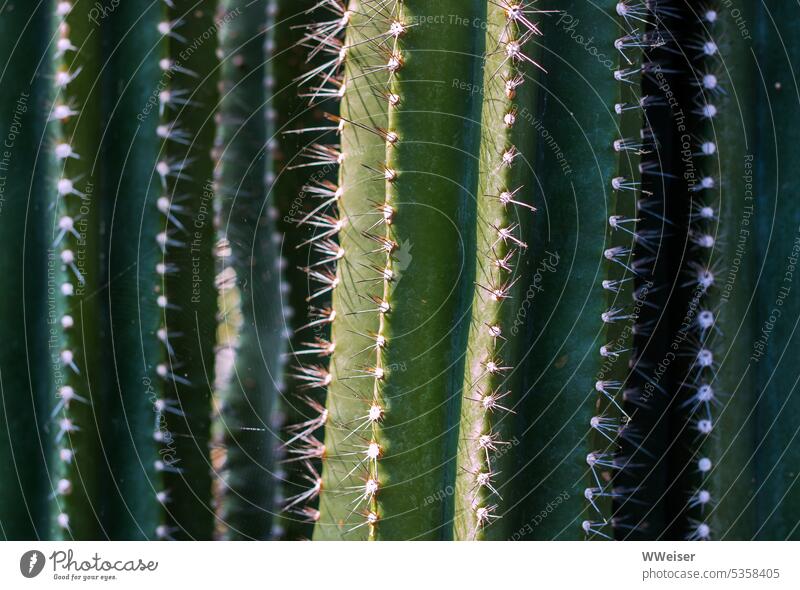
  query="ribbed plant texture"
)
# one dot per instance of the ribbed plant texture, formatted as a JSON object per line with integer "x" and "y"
{"x": 398, "y": 270}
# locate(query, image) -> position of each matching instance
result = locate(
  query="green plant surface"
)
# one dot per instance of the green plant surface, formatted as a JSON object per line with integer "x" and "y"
{"x": 589, "y": 118}
{"x": 401, "y": 440}
{"x": 26, "y": 187}
{"x": 496, "y": 346}
{"x": 360, "y": 274}
{"x": 250, "y": 337}
{"x": 305, "y": 104}
{"x": 772, "y": 356}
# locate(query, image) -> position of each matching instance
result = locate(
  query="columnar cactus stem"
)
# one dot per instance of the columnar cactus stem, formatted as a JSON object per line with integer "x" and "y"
{"x": 249, "y": 362}
{"x": 719, "y": 389}
{"x": 492, "y": 382}
{"x": 26, "y": 189}
{"x": 350, "y": 413}
{"x": 75, "y": 262}
{"x": 400, "y": 445}
{"x": 187, "y": 240}
{"x": 577, "y": 381}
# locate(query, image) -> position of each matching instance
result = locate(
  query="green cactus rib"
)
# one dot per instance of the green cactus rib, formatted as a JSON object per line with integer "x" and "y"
{"x": 778, "y": 218}
{"x": 717, "y": 407}
{"x": 309, "y": 36}
{"x": 134, "y": 425}
{"x": 496, "y": 346}
{"x": 250, "y": 336}
{"x": 189, "y": 297}
{"x": 75, "y": 261}
{"x": 359, "y": 272}
{"x": 591, "y": 111}
{"x": 401, "y": 448}
{"x": 26, "y": 188}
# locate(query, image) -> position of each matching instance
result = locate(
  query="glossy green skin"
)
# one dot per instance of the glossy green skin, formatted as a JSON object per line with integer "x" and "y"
{"x": 348, "y": 400}
{"x": 83, "y": 504}
{"x": 778, "y": 213}
{"x": 730, "y": 447}
{"x": 133, "y": 187}
{"x": 25, "y": 389}
{"x": 191, "y": 288}
{"x": 250, "y": 369}
{"x": 509, "y": 348}
{"x": 566, "y": 332}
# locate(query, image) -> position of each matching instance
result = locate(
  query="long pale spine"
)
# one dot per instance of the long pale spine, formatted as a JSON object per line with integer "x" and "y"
{"x": 309, "y": 37}
{"x": 74, "y": 261}
{"x": 26, "y": 187}
{"x": 250, "y": 335}
{"x": 492, "y": 380}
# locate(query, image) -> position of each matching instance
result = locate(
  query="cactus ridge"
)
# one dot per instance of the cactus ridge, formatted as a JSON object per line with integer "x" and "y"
{"x": 185, "y": 271}
{"x": 491, "y": 385}
{"x": 75, "y": 244}
{"x": 627, "y": 262}
{"x": 717, "y": 396}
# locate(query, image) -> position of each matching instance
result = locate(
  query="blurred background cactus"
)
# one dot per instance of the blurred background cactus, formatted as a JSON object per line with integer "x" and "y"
{"x": 372, "y": 269}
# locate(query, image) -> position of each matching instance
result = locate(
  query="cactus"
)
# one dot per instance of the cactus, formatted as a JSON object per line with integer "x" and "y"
{"x": 301, "y": 186}
{"x": 389, "y": 434}
{"x": 134, "y": 426}
{"x": 371, "y": 270}
{"x": 496, "y": 347}
{"x": 249, "y": 361}
{"x": 584, "y": 315}
{"x": 188, "y": 297}
{"x": 719, "y": 390}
